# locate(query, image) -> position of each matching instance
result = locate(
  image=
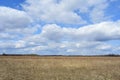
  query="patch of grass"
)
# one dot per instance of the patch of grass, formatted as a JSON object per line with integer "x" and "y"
{"x": 59, "y": 68}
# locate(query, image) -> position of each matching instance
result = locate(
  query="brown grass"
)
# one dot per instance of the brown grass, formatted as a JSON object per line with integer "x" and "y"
{"x": 59, "y": 68}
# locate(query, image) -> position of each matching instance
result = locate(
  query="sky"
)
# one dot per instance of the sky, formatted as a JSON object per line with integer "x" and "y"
{"x": 60, "y": 27}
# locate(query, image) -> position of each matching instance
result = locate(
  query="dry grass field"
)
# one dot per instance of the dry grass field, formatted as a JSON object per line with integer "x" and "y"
{"x": 59, "y": 68}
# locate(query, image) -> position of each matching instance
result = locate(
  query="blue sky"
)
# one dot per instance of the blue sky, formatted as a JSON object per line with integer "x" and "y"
{"x": 12, "y": 3}
{"x": 76, "y": 27}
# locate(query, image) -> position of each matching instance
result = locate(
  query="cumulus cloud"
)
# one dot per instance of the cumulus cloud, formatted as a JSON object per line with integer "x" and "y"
{"x": 12, "y": 19}
{"x": 15, "y": 23}
{"x": 50, "y": 11}
{"x": 84, "y": 40}
{"x": 87, "y": 39}
{"x": 66, "y": 11}
{"x": 98, "y": 32}
{"x": 40, "y": 27}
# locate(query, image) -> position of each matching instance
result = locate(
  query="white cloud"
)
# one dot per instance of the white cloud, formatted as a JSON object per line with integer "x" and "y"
{"x": 52, "y": 11}
{"x": 6, "y": 36}
{"x": 98, "y": 32}
{"x": 98, "y": 13}
{"x": 84, "y": 40}
{"x": 15, "y": 23}
{"x": 21, "y": 31}
{"x": 12, "y": 19}
{"x": 20, "y": 44}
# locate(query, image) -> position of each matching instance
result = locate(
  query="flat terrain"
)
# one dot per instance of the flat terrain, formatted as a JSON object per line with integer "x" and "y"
{"x": 59, "y": 68}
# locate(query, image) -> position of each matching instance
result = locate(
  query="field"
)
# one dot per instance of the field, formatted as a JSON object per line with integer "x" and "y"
{"x": 59, "y": 68}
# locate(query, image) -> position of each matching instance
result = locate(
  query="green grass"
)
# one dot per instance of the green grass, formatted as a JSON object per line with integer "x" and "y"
{"x": 59, "y": 68}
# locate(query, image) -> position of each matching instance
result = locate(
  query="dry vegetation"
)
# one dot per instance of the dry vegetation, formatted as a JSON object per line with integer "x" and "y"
{"x": 59, "y": 68}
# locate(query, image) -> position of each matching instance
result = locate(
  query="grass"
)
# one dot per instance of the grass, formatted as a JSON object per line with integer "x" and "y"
{"x": 59, "y": 68}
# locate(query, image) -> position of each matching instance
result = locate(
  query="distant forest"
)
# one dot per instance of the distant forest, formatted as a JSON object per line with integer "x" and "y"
{"x": 4, "y": 54}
